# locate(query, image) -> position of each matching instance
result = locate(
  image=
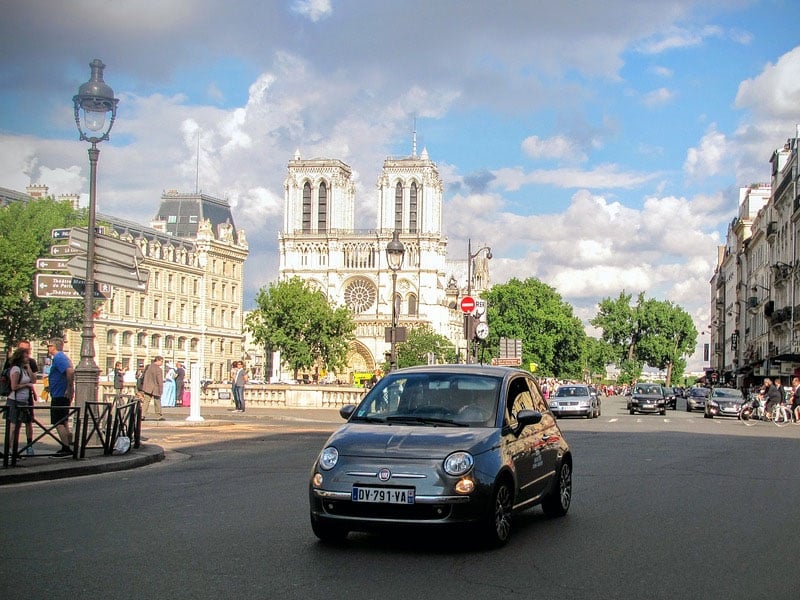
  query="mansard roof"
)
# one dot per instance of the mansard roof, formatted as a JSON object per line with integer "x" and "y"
{"x": 182, "y": 213}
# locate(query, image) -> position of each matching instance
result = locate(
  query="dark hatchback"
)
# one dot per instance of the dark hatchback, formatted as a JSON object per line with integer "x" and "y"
{"x": 696, "y": 398}
{"x": 440, "y": 446}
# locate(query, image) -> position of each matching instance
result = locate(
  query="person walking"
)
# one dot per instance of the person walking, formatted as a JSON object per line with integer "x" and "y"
{"x": 119, "y": 382}
{"x": 180, "y": 383}
{"x": 22, "y": 396}
{"x": 795, "y": 398}
{"x": 153, "y": 387}
{"x": 62, "y": 390}
{"x": 168, "y": 393}
{"x": 239, "y": 380}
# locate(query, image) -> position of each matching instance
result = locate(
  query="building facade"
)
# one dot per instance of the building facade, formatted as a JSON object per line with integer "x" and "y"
{"x": 320, "y": 244}
{"x": 191, "y": 310}
{"x": 755, "y": 306}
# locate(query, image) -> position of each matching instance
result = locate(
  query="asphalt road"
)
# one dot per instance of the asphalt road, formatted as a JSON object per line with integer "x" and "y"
{"x": 664, "y": 507}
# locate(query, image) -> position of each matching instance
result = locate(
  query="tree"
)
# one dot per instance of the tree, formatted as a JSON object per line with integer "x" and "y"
{"x": 300, "y": 322}
{"x": 422, "y": 341}
{"x": 652, "y": 332}
{"x": 552, "y": 337}
{"x": 25, "y": 235}
{"x": 598, "y": 355}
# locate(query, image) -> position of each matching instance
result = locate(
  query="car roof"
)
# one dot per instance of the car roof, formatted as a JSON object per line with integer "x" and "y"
{"x": 472, "y": 369}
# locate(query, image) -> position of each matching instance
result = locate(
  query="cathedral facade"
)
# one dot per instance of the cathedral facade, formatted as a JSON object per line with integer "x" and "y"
{"x": 320, "y": 244}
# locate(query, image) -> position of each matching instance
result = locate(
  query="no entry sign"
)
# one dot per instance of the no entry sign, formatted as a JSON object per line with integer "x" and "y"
{"x": 467, "y": 304}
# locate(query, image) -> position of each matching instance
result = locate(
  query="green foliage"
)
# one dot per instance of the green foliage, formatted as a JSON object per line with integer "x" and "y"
{"x": 598, "y": 354}
{"x": 25, "y": 235}
{"x": 552, "y": 337}
{"x": 421, "y": 341}
{"x": 657, "y": 333}
{"x": 299, "y": 322}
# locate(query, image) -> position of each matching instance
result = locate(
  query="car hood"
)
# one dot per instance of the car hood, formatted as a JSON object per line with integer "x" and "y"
{"x": 648, "y": 396}
{"x": 404, "y": 441}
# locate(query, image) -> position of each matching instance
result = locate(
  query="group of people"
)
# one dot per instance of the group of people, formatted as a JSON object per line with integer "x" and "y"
{"x": 773, "y": 394}
{"x": 156, "y": 386}
{"x": 22, "y": 374}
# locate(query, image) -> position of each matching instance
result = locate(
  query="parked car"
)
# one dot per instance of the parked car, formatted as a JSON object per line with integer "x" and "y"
{"x": 671, "y": 397}
{"x": 442, "y": 445}
{"x": 696, "y": 398}
{"x": 647, "y": 398}
{"x": 723, "y": 402}
{"x": 575, "y": 400}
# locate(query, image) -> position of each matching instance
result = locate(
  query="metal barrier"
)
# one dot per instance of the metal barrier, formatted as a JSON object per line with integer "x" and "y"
{"x": 99, "y": 415}
{"x": 12, "y": 451}
{"x": 128, "y": 422}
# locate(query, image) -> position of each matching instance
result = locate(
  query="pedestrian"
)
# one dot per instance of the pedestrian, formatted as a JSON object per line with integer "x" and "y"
{"x": 772, "y": 397}
{"x": 239, "y": 379}
{"x": 22, "y": 396}
{"x": 119, "y": 382}
{"x": 168, "y": 393}
{"x": 62, "y": 390}
{"x": 180, "y": 383}
{"x": 796, "y": 399}
{"x": 153, "y": 387}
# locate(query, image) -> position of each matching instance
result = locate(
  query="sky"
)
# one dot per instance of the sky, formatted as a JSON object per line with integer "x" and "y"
{"x": 596, "y": 146}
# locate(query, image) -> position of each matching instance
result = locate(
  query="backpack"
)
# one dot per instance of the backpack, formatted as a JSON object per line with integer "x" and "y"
{"x": 5, "y": 382}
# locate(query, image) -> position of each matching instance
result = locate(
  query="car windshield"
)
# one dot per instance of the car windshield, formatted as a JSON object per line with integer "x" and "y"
{"x": 647, "y": 389}
{"x": 699, "y": 392}
{"x": 460, "y": 400}
{"x": 727, "y": 393}
{"x": 572, "y": 390}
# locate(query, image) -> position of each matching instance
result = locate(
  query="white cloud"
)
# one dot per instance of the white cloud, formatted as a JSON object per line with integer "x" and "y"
{"x": 658, "y": 97}
{"x": 315, "y": 10}
{"x": 706, "y": 159}
{"x": 601, "y": 177}
{"x": 557, "y": 147}
{"x": 775, "y": 92}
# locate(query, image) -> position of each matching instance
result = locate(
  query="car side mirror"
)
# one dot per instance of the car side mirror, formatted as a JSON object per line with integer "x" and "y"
{"x": 527, "y": 417}
{"x": 346, "y": 411}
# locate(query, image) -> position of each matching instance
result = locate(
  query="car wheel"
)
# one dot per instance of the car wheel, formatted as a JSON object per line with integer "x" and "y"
{"x": 327, "y": 532}
{"x": 633, "y": 412}
{"x": 556, "y": 503}
{"x": 664, "y": 411}
{"x": 708, "y": 416}
{"x": 688, "y": 408}
{"x": 497, "y": 527}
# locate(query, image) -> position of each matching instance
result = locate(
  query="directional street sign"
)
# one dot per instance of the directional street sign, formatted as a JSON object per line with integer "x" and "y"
{"x": 105, "y": 247}
{"x": 61, "y": 234}
{"x": 507, "y": 362}
{"x": 49, "y": 285}
{"x": 114, "y": 274}
{"x": 51, "y": 264}
{"x": 63, "y": 250}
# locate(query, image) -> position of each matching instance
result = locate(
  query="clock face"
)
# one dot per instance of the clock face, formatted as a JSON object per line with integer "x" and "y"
{"x": 482, "y": 331}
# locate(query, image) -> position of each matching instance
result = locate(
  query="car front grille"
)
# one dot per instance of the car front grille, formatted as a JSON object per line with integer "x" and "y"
{"x": 414, "y": 512}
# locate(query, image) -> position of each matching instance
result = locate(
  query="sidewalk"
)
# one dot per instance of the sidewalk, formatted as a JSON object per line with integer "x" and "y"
{"x": 42, "y": 468}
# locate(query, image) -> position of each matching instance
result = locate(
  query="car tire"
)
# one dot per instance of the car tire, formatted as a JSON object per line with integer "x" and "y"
{"x": 633, "y": 412}
{"x": 556, "y": 502}
{"x": 688, "y": 408}
{"x": 708, "y": 416}
{"x": 664, "y": 412}
{"x": 497, "y": 525}
{"x": 327, "y": 532}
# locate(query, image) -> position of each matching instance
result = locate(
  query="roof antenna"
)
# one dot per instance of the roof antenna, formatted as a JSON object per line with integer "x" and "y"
{"x": 414, "y": 143}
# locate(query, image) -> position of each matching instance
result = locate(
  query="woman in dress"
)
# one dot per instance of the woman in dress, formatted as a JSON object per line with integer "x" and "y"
{"x": 168, "y": 395}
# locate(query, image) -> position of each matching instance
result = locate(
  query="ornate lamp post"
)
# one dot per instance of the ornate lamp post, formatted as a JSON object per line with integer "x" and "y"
{"x": 394, "y": 256}
{"x": 472, "y": 256}
{"x": 94, "y": 102}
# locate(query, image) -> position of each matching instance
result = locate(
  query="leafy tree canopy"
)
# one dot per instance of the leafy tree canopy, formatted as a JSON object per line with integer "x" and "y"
{"x": 25, "y": 235}
{"x": 300, "y": 322}
{"x": 421, "y": 342}
{"x": 552, "y": 337}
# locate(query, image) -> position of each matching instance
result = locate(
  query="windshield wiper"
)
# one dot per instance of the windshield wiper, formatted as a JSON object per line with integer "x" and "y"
{"x": 368, "y": 419}
{"x": 425, "y": 420}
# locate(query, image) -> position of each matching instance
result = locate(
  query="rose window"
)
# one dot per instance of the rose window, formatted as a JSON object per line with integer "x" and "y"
{"x": 360, "y": 294}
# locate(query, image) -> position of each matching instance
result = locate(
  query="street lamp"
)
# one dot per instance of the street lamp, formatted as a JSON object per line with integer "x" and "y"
{"x": 394, "y": 256}
{"x": 94, "y": 101}
{"x": 472, "y": 256}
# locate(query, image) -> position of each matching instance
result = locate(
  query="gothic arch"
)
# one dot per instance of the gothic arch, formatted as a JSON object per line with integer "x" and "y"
{"x": 359, "y": 358}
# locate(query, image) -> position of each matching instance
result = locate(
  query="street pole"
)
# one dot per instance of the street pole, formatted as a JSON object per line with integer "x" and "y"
{"x": 394, "y": 257}
{"x": 94, "y": 100}
{"x": 468, "y": 317}
{"x": 393, "y": 342}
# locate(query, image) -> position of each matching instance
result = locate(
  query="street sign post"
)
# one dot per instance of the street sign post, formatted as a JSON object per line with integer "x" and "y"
{"x": 507, "y": 362}
{"x": 130, "y": 278}
{"x": 63, "y": 250}
{"x": 49, "y": 285}
{"x": 467, "y": 304}
{"x": 51, "y": 264}
{"x": 106, "y": 248}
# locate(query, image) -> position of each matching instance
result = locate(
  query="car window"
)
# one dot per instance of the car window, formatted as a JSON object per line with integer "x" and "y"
{"x": 519, "y": 397}
{"x": 572, "y": 390}
{"x": 726, "y": 393}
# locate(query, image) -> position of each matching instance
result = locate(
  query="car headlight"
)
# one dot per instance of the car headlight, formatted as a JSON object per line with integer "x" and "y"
{"x": 328, "y": 458}
{"x": 458, "y": 463}
{"x": 554, "y": 404}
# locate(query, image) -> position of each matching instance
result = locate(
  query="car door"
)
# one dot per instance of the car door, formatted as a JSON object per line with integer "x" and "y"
{"x": 522, "y": 448}
{"x": 548, "y": 438}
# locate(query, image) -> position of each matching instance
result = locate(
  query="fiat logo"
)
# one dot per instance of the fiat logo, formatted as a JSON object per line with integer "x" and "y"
{"x": 384, "y": 474}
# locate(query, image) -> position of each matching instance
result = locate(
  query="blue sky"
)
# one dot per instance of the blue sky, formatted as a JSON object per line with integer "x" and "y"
{"x": 597, "y": 146}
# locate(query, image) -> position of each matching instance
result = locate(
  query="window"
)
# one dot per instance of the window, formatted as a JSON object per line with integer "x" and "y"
{"x": 322, "y": 208}
{"x": 193, "y": 344}
{"x": 398, "y": 207}
{"x": 141, "y": 340}
{"x": 183, "y": 285}
{"x": 412, "y": 304}
{"x": 111, "y": 336}
{"x": 142, "y": 307}
{"x": 169, "y": 311}
{"x": 307, "y": 207}
{"x": 172, "y": 219}
{"x": 192, "y": 218}
{"x": 519, "y": 397}
{"x": 156, "y": 309}
{"x": 168, "y": 342}
{"x": 128, "y": 307}
{"x": 412, "y": 209}
{"x": 126, "y": 338}
{"x": 155, "y": 341}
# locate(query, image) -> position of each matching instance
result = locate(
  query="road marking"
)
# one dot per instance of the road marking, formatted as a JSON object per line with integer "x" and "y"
{"x": 613, "y": 420}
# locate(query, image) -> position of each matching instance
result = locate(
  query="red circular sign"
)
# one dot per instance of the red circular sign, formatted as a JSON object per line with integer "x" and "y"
{"x": 467, "y": 304}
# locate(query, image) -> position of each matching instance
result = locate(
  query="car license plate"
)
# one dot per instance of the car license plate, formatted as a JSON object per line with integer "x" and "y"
{"x": 383, "y": 495}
